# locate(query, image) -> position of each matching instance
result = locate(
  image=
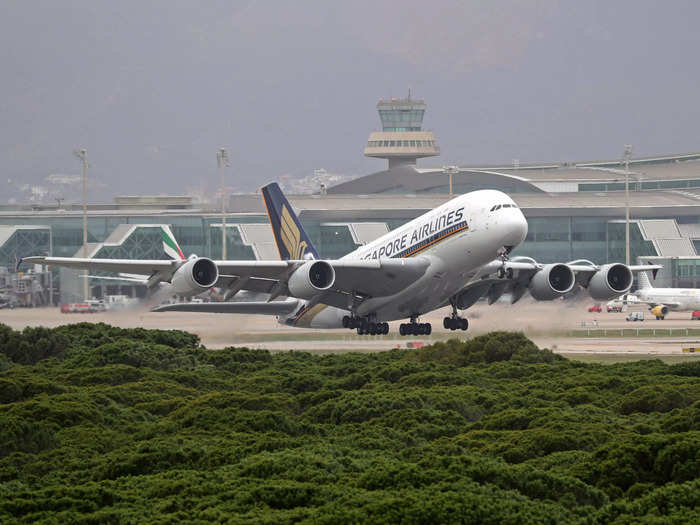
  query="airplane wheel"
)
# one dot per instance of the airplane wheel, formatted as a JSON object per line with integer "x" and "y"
{"x": 386, "y": 328}
{"x": 501, "y": 273}
{"x": 346, "y": 321}
{"x": 446, "y": 322}
{"x": 465, "y": 324}
{"x": 428, "y": 328}
{"x": 402, "y": 329}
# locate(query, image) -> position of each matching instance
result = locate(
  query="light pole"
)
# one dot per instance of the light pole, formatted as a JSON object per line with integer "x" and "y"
{"x": 450, "y": 171}
{"x": 82, "y": 155}
{"x": 222, "y": 160}
{"x": 628, "y": 154}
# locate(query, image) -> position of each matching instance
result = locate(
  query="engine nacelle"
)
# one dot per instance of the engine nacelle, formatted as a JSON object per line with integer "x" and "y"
{"x": 552, "y": 281}
{"x": 195, "y": 276}
{"x": 312, "y": 278}
{"x": 659, "y": 311}
{"x": 612, "y": 280}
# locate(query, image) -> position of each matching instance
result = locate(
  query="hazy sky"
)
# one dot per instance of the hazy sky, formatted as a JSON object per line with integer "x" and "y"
{"x": 152, "y": 89}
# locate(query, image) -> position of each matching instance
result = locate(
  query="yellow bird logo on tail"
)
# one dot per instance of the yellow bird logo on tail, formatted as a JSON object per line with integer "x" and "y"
{"x": 291, "y": 237}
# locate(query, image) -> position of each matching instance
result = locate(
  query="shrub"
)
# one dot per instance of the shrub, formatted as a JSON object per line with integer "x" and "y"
{"x": 653, "y": 398}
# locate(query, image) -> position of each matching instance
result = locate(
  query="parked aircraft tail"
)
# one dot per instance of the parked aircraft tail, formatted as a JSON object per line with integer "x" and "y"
{"x": 292, "y": 241}
{"x": 170, "y": 245}
{"x": 644, "y": 282}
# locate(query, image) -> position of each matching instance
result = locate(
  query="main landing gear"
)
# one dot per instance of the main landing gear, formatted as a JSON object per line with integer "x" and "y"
{"x": 455, "y": 322}
{"x": 414, "y": 328}
{"x": 364, "y": 326}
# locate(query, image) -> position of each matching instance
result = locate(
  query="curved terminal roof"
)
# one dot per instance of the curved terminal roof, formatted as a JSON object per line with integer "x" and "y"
{"x": 645, "y": 173}
{"x": 409, "y": 179}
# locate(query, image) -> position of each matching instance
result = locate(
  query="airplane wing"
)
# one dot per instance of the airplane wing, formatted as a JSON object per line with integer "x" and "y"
{"x": 515, "y": 276}
{"x": 249, "y": 307}
{"x": 362, "y": 278}
{"x": 354, "y": 278}
{"x": 134, "y": 266}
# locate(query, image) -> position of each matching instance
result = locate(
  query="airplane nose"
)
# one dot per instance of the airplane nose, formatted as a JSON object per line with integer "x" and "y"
{"x": 515, "y": 228}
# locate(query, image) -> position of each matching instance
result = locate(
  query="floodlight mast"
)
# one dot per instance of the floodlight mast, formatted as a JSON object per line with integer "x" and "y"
{"x": 222, "y": 160}
{"x": 628, "y": 154}
{"x": 450, "y": 171}
{"x": 82, "y": 155}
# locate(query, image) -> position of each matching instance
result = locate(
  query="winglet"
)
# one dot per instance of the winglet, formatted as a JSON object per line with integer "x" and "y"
{"x": 17, "y": 265}
{"x": 292, "y": 241}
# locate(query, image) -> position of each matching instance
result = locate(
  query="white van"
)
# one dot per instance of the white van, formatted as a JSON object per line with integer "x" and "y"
{"x": 635, "y": 316}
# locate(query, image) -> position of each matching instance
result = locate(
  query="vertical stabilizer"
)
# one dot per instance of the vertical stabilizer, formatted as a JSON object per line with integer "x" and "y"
{"x": 170, "y": 245}
{"x": 292, "y": 241}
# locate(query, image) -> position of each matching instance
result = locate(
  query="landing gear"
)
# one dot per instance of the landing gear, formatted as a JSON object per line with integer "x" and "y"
{"x": 368, "y": 328}
{"x": 502, "y": 273}
{"x": 364, "y": 326}
{"x": 455, "y": 322}
{"x": 414, "y": 328}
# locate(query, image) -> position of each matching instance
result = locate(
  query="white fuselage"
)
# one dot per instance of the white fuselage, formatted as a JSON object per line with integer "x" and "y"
{"x": 680, "y": 299}
{"x": 457, "y": 238}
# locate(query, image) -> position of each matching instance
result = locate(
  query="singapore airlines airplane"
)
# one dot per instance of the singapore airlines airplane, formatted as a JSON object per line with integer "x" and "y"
{"x": 661, "y": 300}
{"x": 451, "y": 256}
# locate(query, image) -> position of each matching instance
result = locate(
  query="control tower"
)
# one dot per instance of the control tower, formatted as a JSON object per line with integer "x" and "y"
{"x": 401, "y": 140}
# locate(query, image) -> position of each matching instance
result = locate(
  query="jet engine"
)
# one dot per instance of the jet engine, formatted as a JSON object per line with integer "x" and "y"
{"x": 312, "y": 278}
{"x": 552, "y": 281}
{"x": 659, "y": 311}
{"x": 195, "y": 276}
{"x": 612, "y": 280}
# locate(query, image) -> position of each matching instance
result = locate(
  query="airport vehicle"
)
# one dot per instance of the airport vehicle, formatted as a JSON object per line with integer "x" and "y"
{"x": 452, "y": 256}
{"x": 663, "y": 300}
{"x": 88, "y": 307}
{"x": 611, "y": 308}
{"x": 695, "y": 316}
{"x": 595, "y": 308}
{"x": 635, "y": 316}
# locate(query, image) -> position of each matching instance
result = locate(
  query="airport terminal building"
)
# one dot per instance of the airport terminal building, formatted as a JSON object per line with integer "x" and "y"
{"x": 575, "y": 210}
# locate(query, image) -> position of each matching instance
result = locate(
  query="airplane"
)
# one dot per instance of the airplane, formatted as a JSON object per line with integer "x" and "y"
{"x": 662, "y": 300}
{"x": 453, "y": 256}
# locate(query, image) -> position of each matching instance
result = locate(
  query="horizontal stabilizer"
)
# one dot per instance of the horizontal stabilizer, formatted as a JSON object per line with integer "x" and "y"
{"x": 252, "y": 307}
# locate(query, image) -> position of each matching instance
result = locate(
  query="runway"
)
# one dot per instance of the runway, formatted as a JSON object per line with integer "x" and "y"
{"x": 548, "y": 324}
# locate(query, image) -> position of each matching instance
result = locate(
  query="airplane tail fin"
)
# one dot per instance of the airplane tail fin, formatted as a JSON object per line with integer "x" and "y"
{"x": 170, "y": 245}
{"x": 644, "y": 281}
{"x": 292, "y": 241}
